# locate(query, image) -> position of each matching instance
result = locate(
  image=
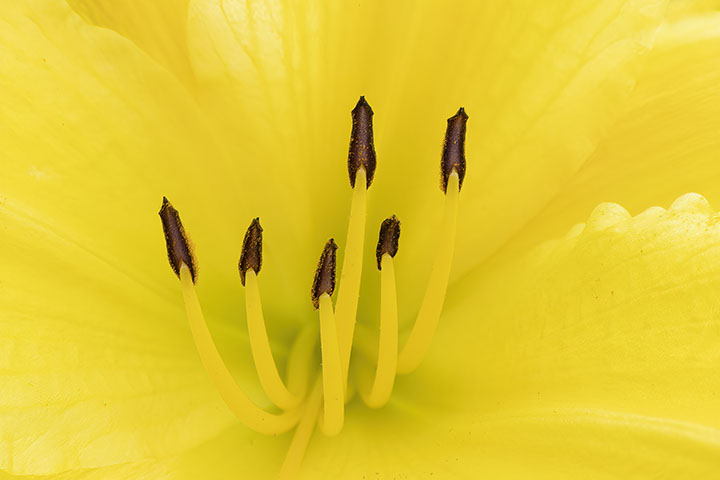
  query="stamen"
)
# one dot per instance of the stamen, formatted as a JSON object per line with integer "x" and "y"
{"x": 362, "y": 145}
{"x": 421, "y": 335}
{"x": 324, "y": 281}
{"x": 331, "y": 389}
{"x": 251, "y": 255}
{"x": 177, "y": 243}
{"x": 388, "y": 239}
{"x": 323, "y": 287}
{"x": 349, "y": 292}
{"x": 385, "y": 372}
{"x": 181, "y": 259}
{"x": 334, "y": 402}
{"x": 453, "y": 157}
{"x": 249, "y": 265}
{"x": 260, "y": 346}
{"x": 303, "y": 433}
{"x": 361, "y": 168}
{"x": 453, "y": 172}
{"x": 248, "y": 413}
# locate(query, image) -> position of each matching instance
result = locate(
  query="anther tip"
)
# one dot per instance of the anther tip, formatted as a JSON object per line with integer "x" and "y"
{"x": 453, "y": 156}
{"x": 251, "y": 256}
{"x": 388, "y": 239}
{"x": 460, "y": 113}
{"x": 331, "y": 244}
{"x": 176, "y": 241}
{"x": 363, "y": 104}
{"x": 362, "y": 145}
{"x": 324, "y": 280}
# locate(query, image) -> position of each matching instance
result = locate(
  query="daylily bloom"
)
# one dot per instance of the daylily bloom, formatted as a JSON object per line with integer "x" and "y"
{"x": 564, "y": 349}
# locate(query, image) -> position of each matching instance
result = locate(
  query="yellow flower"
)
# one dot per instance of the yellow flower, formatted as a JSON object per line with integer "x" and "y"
{"x": 591, "y": 353}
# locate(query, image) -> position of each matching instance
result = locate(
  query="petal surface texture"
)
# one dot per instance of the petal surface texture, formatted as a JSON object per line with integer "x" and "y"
{"x": 96, "y": 362}
{"x": 592, "y": 355}
{"x": 663, "y": 145}
{"x": 158, "y": 27}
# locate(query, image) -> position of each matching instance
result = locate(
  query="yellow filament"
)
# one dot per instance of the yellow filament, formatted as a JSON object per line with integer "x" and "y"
{"x": 299, "y": 363}
{"x": 421, "y": 335}
{"x": 333, "y": 402}
{"x": 303, "y": 432}
{"x": 260, "y": 346}
{"x": 349, "y": 288}
{"x": 248, "y": 413}
{"x": 388, "y": 345}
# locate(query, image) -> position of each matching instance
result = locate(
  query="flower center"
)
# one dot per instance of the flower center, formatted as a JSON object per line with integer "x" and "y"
{"x": 315, "y": 395}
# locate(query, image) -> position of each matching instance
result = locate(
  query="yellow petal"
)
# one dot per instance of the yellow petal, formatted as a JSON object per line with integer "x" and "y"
{"x": 147, "y": 469}
{"x": 665, "y": 144}
{"x": 547, "y": 442}
{"x": 95, "y": 133}
{"x": 685, "y": 8}
{"x": 612, "y": 329}
{"x": 157, "y": 26}
{"x": 424, "y": 442}
{"x": 97, "y": 363}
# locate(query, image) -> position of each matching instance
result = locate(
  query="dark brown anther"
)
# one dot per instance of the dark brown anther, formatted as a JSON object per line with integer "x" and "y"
{"x": 178, "y": 245}
{"x": 251, "y": 256}
{"x": 453, "y": 156}
{"x": 324, "y": 281}
{"x": 362, "y": 146}
{"x": 388, "y": 240}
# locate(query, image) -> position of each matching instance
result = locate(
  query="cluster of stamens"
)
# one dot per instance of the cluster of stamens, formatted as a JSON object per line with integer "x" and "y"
{"x": 304, "y": 402}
